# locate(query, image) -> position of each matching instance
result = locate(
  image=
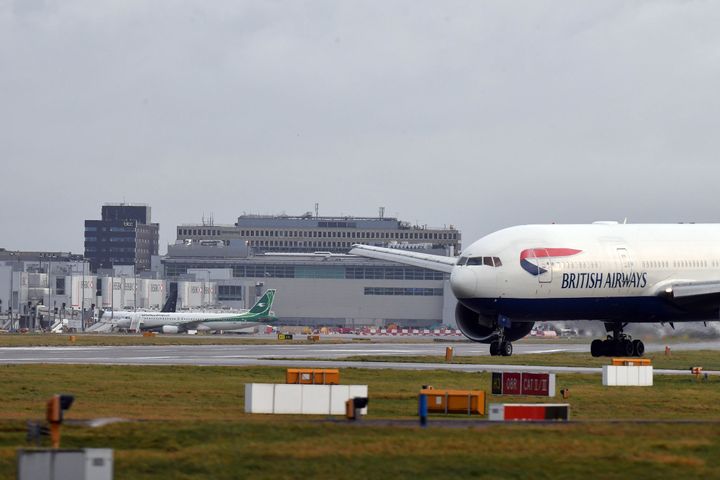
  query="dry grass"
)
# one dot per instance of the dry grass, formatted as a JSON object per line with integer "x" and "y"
{"x": 189, "y": 423}
{"x": 678, "y": 360}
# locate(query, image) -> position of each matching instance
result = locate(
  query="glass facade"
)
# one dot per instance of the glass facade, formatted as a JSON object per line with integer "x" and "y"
{"x": 277, "y": 270}
{"x": 422, "y": 292}
{"x": 229, "y": 292}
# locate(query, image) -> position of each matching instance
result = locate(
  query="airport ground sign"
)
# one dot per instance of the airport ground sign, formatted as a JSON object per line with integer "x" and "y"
{"x": 523, "y": 383}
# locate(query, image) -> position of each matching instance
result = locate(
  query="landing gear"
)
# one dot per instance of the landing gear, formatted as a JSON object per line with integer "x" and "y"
{"x": 638, "y": 348}
{"x": 501, "y": 347}
{"x": 617, "y": 344}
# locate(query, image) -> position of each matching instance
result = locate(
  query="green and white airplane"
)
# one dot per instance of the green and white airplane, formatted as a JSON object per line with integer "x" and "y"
{"x": 176, "y": 322}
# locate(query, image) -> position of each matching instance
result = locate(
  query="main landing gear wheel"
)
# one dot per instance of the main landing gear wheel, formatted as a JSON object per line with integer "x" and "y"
{"x": 494, "y": 348}
{"x": 618, "y": 344}
{"x": 625, "y": 348}
{"x": 506, "y": 349}
{"x": 638, "y": 348}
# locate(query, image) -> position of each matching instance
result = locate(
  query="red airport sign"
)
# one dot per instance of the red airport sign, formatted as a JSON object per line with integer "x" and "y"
{"x": 512, "y": 383}
{"x": 523, "y": 383}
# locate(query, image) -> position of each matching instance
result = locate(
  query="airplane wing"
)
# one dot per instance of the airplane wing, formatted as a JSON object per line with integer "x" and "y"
{"x": 439, "y": 263}
{"x": 689, "y": 294}
{"x": 684, "y": 289}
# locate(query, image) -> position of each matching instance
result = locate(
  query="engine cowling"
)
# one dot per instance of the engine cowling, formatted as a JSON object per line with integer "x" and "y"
{"x": 170, "y": 329}
{"x": 483, "y": 329}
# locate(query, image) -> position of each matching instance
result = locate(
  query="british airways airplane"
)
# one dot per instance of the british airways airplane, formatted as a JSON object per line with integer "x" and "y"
{"x": 605, "y": 271}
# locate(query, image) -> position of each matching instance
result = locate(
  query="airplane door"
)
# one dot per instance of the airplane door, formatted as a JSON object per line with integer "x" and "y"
{"x": 626, "y": 264}
{"x": 544, "y": 262}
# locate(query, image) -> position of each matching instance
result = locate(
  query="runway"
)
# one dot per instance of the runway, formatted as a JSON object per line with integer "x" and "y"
{"x": 308, "y": 355}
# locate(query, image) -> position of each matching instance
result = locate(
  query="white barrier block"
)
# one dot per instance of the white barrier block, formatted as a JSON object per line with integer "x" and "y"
{"x": 496, "y": 412}
{"x": 646, "y": 376}
{"x": 288, "y": 398}
{"x": 622, "y": 376}
{"x": 633, "y": 375}
{"x": 339, "y": 394}
{"x": 259, "y": 397}
{"x": 301, "y": 399}
{"x": 609, "y": 375}
{"x": 316, "y": 399}
{"x": 359, "y": 391}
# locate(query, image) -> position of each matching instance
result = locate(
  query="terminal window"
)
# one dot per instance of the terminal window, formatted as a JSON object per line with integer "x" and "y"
{"x": 423, "y": 292}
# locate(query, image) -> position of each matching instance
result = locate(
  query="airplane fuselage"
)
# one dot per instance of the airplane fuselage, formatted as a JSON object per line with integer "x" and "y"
{"x": 174, "y": 322}
{"x": 611, "y": 272}
{"x": 157, "y": 320}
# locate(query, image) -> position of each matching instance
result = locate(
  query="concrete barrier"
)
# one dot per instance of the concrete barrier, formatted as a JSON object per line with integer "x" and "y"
{"x": 65, "y": 464}
{"x": 627, "y": 376}
{"x": 301, "y": 399}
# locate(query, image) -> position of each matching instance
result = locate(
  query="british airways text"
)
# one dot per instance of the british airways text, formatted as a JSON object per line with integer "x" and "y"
{"x": 604, "y": 280}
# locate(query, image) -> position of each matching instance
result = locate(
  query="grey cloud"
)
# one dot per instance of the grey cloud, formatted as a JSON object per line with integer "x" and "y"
{"x": 479, "y": 114}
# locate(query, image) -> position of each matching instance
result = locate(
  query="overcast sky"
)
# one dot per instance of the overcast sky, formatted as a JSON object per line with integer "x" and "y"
{"x": 480, "y": 114}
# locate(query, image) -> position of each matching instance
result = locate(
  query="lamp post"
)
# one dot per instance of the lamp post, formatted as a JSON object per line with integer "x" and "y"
{"x": 82, "y": 306}
{"x": 135, "y": 288}
{"x": 50, "y": 288}
{"x": 112, "y": 297}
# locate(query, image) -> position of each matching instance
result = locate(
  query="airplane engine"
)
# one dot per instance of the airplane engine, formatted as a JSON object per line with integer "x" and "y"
{"x": 170, "y": 329}
{"x": 482, "y": 328}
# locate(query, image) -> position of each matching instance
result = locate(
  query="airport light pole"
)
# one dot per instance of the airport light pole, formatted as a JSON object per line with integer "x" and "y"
{"x": 50, "y": 288}
{"x": 82, "y": 306}
{"x": 134, "y": 288}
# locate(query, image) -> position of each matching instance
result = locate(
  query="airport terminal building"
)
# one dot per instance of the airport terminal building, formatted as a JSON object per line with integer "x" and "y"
{"x": 317, "y": 289}
{"x": 39, "y": 288}
{"x": 305, "y": 258}
{"x": 308, "y": 233}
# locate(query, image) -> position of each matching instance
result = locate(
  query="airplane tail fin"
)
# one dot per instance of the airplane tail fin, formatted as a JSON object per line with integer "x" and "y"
{"x": 171, "y": 302}
{"x": 264, "y": 304}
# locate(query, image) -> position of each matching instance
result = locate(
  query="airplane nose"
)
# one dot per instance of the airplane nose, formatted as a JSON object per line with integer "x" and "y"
{"x": 463, "y": 282}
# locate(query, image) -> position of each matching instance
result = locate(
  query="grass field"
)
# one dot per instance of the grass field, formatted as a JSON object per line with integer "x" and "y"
{"x": 93, "y": 340}
{"x": 188, "y": 422}
{"x": 119, "y": 339}
{"x": 678, "y": 360}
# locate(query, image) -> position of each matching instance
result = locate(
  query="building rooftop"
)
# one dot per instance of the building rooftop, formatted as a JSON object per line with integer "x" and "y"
{"x": 15, "y": 255}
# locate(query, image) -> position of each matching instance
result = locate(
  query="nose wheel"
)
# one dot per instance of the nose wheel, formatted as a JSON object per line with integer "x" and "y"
{"x": 501, "y": 348}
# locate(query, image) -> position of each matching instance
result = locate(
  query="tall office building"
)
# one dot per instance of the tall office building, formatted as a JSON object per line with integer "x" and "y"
{"x": 124, "y": 236}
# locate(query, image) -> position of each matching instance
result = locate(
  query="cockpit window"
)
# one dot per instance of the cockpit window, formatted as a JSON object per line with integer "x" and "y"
{"x": 487, "y": 261}
{"x": 462, "y": 261}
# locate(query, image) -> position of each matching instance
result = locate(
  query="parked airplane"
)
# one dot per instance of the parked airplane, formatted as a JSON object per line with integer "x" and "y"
{"x": 169, "y": 306}
{"x": 605, "y": 271}
{"x": 184, "y": 321}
